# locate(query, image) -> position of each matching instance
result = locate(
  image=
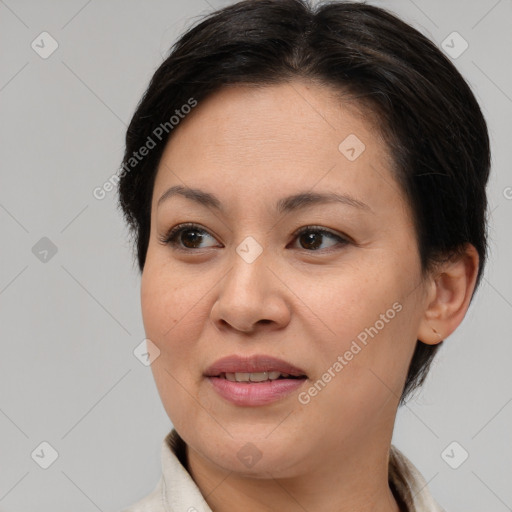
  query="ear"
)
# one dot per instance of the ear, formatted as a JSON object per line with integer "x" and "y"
{"x": 448, "y": 296}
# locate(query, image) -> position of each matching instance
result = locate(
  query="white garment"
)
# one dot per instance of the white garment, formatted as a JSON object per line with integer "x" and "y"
{"x": 176, "y": 491}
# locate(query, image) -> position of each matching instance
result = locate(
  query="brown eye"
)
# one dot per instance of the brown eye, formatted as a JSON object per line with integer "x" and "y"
{"x": 311, "y": 238}
{"x": 186, "y": 236}
{"x": 190, "y": 237}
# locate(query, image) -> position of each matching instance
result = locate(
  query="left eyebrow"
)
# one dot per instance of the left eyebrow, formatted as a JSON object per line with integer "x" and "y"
{"x": 304, "y": 199}
{"x": 286, "y": 204}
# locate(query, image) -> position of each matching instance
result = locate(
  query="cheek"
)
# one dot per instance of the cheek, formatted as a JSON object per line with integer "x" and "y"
{"x": 164, "y": 311}
{"x": 170, "y": 311}
{"x": 369, "y": 322}
{"x": 170, "y": 304}
{"x": 347, "y": 300}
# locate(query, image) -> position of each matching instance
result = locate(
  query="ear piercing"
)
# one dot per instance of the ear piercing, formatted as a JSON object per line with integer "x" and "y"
{"x": 437, "y": 334}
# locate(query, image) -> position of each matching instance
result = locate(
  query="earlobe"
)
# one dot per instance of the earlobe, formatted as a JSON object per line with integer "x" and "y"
{"x": 448, "y": 301}
{"x": 438, "y": 334}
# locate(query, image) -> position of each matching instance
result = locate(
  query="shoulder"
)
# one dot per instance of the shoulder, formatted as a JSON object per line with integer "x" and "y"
{"x": 176, "y": 490}
{"x": 410, "y": 484}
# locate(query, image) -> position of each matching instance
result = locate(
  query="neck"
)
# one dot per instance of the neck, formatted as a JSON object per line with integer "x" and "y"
{"x": 339, "y": 480}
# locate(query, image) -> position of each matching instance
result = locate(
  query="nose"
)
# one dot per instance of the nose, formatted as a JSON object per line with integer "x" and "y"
{"x": 251, "y": 297}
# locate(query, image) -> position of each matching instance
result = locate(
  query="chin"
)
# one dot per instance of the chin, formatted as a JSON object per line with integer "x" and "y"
{"x": 252, "y": 456}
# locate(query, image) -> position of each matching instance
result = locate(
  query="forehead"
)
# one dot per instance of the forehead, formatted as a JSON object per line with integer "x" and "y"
{"x": 292, "y": 136}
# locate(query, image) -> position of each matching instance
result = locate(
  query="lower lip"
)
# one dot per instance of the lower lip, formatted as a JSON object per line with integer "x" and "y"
{"x": 255, "y": 393}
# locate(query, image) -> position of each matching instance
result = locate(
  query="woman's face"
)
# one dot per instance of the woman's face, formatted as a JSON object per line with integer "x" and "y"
{"x": 342, "y": 301}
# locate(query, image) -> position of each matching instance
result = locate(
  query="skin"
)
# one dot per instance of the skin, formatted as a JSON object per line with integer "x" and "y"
{"x": 251, "y": 147}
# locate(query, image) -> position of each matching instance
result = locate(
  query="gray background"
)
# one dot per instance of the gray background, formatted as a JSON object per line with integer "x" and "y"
{"x": 69, "y": 324}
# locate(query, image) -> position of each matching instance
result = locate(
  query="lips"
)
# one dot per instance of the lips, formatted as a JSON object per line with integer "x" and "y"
{"x": 249, "y": 382}
{"x": 252, "y": 364}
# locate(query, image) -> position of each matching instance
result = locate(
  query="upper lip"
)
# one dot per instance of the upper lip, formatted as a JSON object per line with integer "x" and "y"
{"x": 252, "y": 364}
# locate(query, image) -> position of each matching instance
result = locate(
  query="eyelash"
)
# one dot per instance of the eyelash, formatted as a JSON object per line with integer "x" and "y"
{"x": 172, "y": 234}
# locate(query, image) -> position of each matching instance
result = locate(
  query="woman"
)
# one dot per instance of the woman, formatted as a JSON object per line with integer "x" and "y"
{"x": 306, "y": 190}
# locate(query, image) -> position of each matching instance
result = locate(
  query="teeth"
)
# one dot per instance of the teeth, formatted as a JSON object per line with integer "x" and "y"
{"x": 254, "y": 377}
